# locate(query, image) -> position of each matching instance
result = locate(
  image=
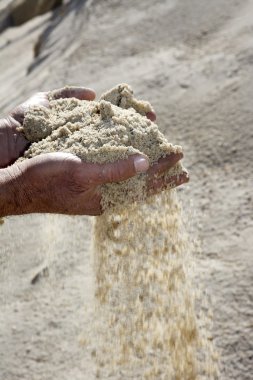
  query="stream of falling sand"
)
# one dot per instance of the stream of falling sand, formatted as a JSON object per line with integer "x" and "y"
{"x": 149, "y": 320}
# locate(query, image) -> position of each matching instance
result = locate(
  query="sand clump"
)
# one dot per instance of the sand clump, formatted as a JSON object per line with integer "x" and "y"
{"x": 112, "y": 128}
{"x": 149, "y": 321}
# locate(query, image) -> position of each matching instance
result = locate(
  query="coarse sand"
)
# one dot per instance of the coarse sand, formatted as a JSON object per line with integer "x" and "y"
{"x": 149, "y": 321}
{"x": 193, "y": 61}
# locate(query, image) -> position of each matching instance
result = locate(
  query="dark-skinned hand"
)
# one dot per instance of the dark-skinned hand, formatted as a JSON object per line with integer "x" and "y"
{"x": 61, "y": 182}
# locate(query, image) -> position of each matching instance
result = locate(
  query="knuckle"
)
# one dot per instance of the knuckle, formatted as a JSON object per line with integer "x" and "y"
{"x": 99, "y": 175}
{"x": 105, "y": 174}
{"x": 121, "y": 171}
{"x": 108, "y": 173}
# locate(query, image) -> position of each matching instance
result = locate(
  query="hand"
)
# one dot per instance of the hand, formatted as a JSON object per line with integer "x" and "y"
{"x": 12, "y": 142}
{"x": 62, "y": 183}
{"x": 157, "y": 180}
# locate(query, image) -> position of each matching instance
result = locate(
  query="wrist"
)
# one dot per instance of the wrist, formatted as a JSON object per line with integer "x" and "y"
{"x": 13, "y": 192}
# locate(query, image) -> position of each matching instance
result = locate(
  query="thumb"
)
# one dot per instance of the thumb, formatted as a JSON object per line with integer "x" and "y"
{"x": 118, "y": 171}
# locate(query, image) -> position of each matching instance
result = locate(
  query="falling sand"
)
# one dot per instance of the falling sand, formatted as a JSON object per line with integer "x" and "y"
{"x": 150, "y": 322}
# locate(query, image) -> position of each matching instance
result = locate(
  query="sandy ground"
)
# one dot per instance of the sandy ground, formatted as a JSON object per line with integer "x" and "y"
{"x": 194, "y": 61}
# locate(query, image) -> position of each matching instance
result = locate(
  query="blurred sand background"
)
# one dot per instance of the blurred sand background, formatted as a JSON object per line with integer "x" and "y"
{"x": 193, "y": 60}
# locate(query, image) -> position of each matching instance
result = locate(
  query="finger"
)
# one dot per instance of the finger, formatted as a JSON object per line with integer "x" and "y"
{"x": 118, "y": 171}
{"x": 80, "y": 93}
{"x": 38, "y": 99}
{"x": 164, "y": 164}
{"x": 163, "y": 183}
{"x": 151, "y": 115}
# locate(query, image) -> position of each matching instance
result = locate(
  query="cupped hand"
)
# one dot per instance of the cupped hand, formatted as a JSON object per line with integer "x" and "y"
{"x": 12, "y": 141}
{"x": 157, "y": 178}
{"x": 62, "y": 183}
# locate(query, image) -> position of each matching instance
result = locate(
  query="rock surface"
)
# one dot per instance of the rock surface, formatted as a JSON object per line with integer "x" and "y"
{"x": 5, "y": 6}
{"x": 24, "y": 10}
{"x": 17, "y": 12}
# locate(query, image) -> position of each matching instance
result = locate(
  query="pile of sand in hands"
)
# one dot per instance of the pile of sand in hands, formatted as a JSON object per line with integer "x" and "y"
{"x": 113, "y": 128}
{"x": 146, "y": 325}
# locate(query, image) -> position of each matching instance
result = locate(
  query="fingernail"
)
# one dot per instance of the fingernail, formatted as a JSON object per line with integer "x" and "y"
{"x": 141, "y": 164}
{"x": 151, "y": 116}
